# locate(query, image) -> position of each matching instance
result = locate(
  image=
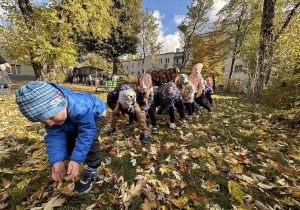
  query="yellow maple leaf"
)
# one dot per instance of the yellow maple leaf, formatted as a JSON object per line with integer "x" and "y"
{"x": 112, "y": 198}
{"x": 68, "y": 190}
{"x": 163, "y": 188}
{"x": 135, "y": 190}
{"x": 181, "y": 202}
{"x": 163, "y": 169}
{"x": 182, "y": 185}
{"x": 235, "y": 191}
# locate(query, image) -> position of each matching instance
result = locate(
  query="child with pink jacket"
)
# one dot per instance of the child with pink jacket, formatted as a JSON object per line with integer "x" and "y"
{"x": 197, "y": 81}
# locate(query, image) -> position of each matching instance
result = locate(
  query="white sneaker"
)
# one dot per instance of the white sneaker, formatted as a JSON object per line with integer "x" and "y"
{"x": 172, "y": 126}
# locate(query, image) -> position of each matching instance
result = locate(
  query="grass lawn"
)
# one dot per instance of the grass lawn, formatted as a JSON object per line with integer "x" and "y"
{"x": 237, "y": 158}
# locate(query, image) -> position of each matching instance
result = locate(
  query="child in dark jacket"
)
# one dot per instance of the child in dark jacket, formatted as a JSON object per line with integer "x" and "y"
{"x": 126, "y": 104}
{"x": 164, "y": 98}
{"x": 73, "y": 123}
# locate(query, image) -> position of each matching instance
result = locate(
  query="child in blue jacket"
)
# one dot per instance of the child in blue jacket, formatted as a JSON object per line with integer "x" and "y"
{"x": 73, "y": 123}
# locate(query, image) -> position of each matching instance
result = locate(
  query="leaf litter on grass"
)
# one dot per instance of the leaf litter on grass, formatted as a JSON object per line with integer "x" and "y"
{"x": 235, "y": 158}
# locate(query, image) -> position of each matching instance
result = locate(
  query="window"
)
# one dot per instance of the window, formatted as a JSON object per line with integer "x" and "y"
{"x": 167, "y": 60}
{"x": 195, "y": 58}
{"x": 238, "y": 68}
{"x": 138, "y": 65}
{"x": 132, "y": 73}
{"x": 132, "y": 65}
{"x": 14, "y": 69}
{"x": 127, "y": 68}
{"x": 139, "y": 73}
{"x": 179, "y": 61}
{"x": 223, "y": 69}
{"x": 160, "y": 61}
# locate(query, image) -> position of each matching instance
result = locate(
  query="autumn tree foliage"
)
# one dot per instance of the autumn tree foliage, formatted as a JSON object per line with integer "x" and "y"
{"x": 122, "y": 39}
{"x": 148, "y": 43}
{"x": 208, "y": 49}
{"x": 45, "y": 34}
{"x": 193, "y": 24}
{"x": 269, "y": 34}
{"x": 235, "y": 18}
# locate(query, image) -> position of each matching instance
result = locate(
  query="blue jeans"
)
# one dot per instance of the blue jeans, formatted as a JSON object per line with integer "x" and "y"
{"x": 2, "y": 86}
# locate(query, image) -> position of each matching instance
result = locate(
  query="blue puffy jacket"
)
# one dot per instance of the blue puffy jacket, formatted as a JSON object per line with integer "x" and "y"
{"x": 82, "y": 110}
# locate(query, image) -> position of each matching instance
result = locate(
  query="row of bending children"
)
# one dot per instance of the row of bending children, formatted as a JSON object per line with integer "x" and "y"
{"x": 123, "y": 100}
{"x": 73, "y": 121}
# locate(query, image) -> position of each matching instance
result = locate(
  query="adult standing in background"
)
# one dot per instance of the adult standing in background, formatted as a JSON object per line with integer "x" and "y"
{"x": 4, "y": 78}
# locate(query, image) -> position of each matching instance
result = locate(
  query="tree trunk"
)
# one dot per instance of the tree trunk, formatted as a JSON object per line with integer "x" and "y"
{"x": 266, "y": 47}
{"x": 27, "y": 12}
{"x": 115, "y": 65}
{"x": 231, "y": 70}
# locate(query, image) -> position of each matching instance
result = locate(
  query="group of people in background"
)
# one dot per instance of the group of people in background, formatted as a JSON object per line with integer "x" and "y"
{"x": 90, "y": 80}
{"x": 164, "y": 89}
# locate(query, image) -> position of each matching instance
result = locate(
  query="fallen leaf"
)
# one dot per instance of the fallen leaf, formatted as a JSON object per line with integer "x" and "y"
{"x": 54, "y": 202}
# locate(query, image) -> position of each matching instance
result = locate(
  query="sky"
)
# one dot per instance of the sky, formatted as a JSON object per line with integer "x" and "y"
{"x": 169, "y": 14}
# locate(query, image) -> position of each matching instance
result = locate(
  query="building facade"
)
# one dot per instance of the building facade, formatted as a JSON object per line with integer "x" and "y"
{"x": 134, "y": 66}
{"x": 19, "y": 71}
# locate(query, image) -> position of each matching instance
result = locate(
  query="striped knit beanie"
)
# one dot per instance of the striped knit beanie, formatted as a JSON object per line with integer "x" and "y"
{"x": 127, "y": 98}
{"x": 169, "y": 88}
{"x": 183, "y": 78}
{"x": 39, "y": 100}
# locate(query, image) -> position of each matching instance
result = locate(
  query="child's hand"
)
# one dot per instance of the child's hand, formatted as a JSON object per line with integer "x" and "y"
{"x": 58, "y": 171}
{"x": 73, "y": 169}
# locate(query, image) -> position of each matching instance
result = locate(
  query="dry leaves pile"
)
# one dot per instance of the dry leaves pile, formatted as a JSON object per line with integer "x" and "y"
{"x": 235, "y": 158}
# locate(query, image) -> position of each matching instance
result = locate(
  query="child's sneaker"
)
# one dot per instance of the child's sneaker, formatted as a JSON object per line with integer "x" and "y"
{"x": 127, "y": 123}
{"x": 210, "y": 112}
{"x": 155, "y": 129}
{"x": 172, "y": 126}
{"x": 87, "y": 181}
{"x": 182, "y": 121}
{"x": 199, "y": 112}
{"x": 190, "y": 117}
{"x": 145, "y": 138}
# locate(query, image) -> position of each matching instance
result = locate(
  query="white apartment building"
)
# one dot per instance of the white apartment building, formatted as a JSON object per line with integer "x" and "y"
{"x": 134, "y": 66}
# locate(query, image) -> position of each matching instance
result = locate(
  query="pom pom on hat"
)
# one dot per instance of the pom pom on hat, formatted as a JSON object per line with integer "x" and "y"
{"x": 39, "y": 100}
